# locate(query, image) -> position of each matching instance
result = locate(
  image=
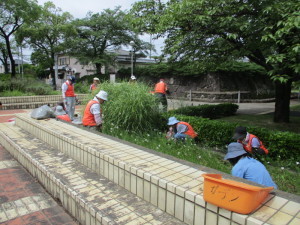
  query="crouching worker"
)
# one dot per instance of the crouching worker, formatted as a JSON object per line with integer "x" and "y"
{"x": 250, "y": 142}
{"x": 61, "y": 114}
{"x": 92, "y": 116}
{"x": 180, "y": 130}
{"x": 244, "y": 166}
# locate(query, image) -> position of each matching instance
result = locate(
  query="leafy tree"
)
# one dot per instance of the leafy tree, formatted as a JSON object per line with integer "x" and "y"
{"x": 213, "y": 31}
{"x": 14, "y": 14}
{"x": 98, "y": 35}
{"x": 47, "y": 35}
{"x": 147, "y": 15}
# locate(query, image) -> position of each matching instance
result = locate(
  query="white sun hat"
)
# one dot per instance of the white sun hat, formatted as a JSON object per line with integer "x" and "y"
{"x": 103, "y": 95}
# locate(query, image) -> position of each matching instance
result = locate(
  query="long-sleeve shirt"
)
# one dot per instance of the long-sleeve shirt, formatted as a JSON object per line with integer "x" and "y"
{"x": 253, "y": 170}
{"x": 181, "y": 128}
{"x": 96, "y": 111}
{"x": 255, "y": 142}
{"x": 64, "y": 88}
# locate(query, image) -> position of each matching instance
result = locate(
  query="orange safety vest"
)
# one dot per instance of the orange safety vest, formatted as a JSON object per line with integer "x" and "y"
{"x": 64, "y": 117}
{"x": 160, "y": 87}
{"x": 190, "y": 131}
{"x": 93, "y": 87}
{"x": 70, "y": 90}
{"x": 88, "y": 118}
{"x": 248, "y": 146}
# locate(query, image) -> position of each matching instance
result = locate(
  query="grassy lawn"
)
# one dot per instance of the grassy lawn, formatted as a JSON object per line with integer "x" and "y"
{"x": 266, "y": 121}
{"x": 295, "y": 107}
{"x": 285, "y": 174}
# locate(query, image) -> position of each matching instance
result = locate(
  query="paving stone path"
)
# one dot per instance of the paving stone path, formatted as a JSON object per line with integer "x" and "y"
{"x": 23, "y": 201}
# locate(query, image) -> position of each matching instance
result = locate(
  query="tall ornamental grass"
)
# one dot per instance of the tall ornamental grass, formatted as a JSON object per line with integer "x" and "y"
{"x": 131, "y": 107}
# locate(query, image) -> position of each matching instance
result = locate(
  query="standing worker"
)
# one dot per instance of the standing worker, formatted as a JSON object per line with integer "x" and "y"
{"x": 69, "y": 96}
{"x": 244, "y": 166}
{"x": 95, "y": 84}
{"x": 132, "y": 79}
{"x": 181, "y": 130}
{"x": 250, "y": 142}
{"x": 92, "y": 116}
{"x": 160, "y": 91}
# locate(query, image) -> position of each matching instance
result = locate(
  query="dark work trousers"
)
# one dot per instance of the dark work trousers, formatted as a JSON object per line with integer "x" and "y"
{"x": 163, "y": 100}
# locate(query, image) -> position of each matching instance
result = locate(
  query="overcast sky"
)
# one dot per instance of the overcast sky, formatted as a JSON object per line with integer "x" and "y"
{"x": 79, "y": 9}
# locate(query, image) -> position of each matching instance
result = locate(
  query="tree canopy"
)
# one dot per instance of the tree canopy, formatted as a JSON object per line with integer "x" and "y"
{"x": 13, "y": 15}
{"x": 98, "y": 35}
{"x": 264, "y": 31}
{"x": 47, "y": 35}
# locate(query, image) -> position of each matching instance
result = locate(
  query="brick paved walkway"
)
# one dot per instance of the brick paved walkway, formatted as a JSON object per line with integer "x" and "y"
{"x": 6, "y": 115}
{"x": 24, "y": 201}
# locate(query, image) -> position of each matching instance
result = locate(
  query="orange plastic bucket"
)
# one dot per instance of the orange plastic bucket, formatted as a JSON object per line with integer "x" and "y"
{"x": 233, "y": 195}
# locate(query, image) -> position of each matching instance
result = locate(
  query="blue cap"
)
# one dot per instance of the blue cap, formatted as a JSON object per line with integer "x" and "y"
{"x": 235, "y": 149}
{"x": 71, "y": 78}
{"x": 172, "y": 121}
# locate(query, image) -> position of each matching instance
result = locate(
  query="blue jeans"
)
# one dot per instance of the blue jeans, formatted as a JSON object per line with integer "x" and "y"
{"x": 180, "y": 136}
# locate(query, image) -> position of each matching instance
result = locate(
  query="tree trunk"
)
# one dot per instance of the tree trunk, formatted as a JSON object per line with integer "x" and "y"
{"x": 11, "y": 58}
{"x": 5, "y": 64}
{"x": 98, "y": 68}
{"x": 52, "y": 70}
{"x": 6, "y": 68}
{"x": 282, "y": 102}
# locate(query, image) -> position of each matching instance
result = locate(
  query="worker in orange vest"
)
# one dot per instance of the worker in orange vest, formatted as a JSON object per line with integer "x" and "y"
{"x": 160, "y": 91}
{"x": 95, "y": 84}
{"x": 69, "y": 97}
{"x": 181, "y": 130}
{"x": 132, "y": 79}
{"x": 61, "y": 114}
{"x": 250, "y": 142}
{"x": 92, "y": 116}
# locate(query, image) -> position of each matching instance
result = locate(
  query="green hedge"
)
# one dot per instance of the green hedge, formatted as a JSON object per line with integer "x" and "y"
{"x": 25, "y": 85}
{"x": 208, "y": 111}
{"x": 283, "y": 145}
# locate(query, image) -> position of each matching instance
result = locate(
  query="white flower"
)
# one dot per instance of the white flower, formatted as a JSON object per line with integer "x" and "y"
{"x": 282, "y": 168}
{"x": 297, "y": 163}
{"x": 199, "y": 157}
{"x": 268, "y": 162}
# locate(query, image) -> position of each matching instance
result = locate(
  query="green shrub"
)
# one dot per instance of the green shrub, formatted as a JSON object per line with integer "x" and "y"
{"x": 281, "y": 145}
{"x": 131, "y": 107}
{"x": 4, "y": 85}
{"x": 39, "y": 88}
{"x": 208, "y": 111}
{"x": 82, "y": 84}
{"x": 88, "y": 79}
{"x": 24, "y": 86}
{"x": 15, "y": 93}
{"x": 82, "y": 88}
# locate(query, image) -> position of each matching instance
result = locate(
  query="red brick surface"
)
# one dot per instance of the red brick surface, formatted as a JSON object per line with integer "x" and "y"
{"x": 17, "y": 183}
{"x": 4, "y": 112}
{"x": 4, "y": 119}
